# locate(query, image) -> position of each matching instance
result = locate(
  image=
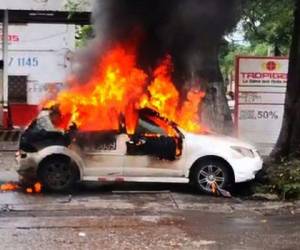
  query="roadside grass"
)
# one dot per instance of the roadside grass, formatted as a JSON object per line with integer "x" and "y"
{"x": 282, "y": 178}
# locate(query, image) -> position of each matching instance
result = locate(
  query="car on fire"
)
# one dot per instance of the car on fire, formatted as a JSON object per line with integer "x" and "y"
{"x": 59, "y": 159}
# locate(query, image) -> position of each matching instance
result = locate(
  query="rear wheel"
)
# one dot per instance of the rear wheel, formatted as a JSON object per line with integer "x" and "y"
{"x": 58, "y": 174}
{"x": 210, "y": 174}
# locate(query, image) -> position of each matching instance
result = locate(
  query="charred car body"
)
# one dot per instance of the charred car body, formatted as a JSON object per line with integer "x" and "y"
{"x": 59, "y": 159}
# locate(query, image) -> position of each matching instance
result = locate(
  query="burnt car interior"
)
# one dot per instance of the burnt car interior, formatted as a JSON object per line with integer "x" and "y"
{"x": 96, "y": 140}
{"x": 150, "y": 137}
{"x": 41, "y": 134}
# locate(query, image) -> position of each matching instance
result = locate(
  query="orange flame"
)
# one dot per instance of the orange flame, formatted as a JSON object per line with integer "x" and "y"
{"x": 213, "y": 187}
{"x": 118, "y": 88}
{"x": 164, "y": 98}
{"x": 36, "y": 188}
{"x": 10, "y": 186}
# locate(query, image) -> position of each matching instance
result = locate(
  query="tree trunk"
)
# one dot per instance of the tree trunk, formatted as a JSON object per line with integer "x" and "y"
{"x": 288, "y": 143}
{"x": 200, "y": 69}
{"x": 215, "y": 112}
{"x": 277, "y": 51}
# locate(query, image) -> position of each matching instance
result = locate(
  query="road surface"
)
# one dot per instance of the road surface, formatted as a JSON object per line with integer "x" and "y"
{"x": 143, "y": 216}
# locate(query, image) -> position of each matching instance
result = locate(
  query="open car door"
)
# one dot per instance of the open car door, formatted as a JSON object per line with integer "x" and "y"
{"x": 152, "y": 152}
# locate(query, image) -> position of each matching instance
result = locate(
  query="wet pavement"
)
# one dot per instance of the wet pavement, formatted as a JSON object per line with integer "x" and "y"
{"x": 142, "y": 216}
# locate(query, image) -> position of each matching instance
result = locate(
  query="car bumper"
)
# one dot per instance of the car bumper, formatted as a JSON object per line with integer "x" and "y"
{"x": 246, "y": 168}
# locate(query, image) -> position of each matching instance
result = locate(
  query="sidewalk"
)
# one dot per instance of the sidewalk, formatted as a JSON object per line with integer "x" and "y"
{"x": 8, "y": 167}
{"x": 9, "y": 140}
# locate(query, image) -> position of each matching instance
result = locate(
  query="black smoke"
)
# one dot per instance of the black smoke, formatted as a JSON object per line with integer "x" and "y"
{"x": 189, "y": 30}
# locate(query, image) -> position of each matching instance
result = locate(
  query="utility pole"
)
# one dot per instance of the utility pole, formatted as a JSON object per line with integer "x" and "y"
{"x": 4, "y": 86}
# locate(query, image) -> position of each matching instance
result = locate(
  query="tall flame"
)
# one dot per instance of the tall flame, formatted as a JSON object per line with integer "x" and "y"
{"x": 165, "y": 98}
{"x": 118, "y": 88}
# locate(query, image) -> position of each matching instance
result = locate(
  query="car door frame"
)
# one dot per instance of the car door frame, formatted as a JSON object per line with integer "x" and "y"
{"x": 105, "y": 162}
{"x": 152, "y": 166}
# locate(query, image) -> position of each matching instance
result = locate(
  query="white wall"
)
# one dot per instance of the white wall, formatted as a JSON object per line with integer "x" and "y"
{"x": 41, "y": 52}
{"x": 52, "y": 5}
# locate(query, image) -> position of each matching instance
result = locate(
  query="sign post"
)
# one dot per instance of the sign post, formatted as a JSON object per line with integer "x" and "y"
{"x": 5, "y": 58}
{"x": 260, "y": 95}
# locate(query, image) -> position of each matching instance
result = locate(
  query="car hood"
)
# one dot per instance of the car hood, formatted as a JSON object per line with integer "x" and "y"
{"x": 216, "y": 139}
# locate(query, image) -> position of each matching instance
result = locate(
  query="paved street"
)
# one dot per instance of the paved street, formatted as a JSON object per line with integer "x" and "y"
{"x": 143, "y": 216}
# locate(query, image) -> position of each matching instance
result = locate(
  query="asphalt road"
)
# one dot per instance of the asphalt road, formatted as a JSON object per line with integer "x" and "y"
{"x": 144, "y": 216}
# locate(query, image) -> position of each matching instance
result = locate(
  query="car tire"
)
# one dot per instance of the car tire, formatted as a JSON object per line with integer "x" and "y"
{"x": 58, "y": 174}
{"x": 208, "y": 171}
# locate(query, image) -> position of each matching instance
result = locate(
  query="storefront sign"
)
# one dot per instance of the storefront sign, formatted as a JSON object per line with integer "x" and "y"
{"x": 260, "y": 94}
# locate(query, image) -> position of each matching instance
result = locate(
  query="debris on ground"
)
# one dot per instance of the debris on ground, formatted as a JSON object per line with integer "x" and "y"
{"x": 267, "y": 196}
{"x": 223, "y": 192}
{"x": 215, "y": 189}
{"x": 15, "y": 186}
{"x": 9, "y": 186}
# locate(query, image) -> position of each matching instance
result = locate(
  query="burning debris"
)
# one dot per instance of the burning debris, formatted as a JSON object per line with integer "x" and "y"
{"x": 37, "y": 188}
{"x": 15, "y": 186}
{"x": 215, "y": 189}
{"x": 10, "y": 186}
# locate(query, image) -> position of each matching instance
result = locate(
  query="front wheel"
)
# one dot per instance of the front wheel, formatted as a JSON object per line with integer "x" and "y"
{"x": 57, "y": 174}
{"x": 210, "y": 174}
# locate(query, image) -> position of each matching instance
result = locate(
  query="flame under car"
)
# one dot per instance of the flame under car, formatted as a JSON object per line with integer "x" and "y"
{"x": 158, "y": 151}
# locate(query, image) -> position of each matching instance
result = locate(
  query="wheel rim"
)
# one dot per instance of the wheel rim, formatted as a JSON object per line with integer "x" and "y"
{"x": 210, "y": 174}
{"x": 58, "y": 175}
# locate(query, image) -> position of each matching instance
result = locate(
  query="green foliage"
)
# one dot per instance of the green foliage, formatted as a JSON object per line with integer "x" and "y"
{"x": 269, "y": 22}
{"x": 229, "y": 52}
{"x": 75, "y": 5}
{"x": 284, "y": 178}
{"x": 72, "y": 5}
{"x": 83, "y": 34}
{"x": 267, "y": 27}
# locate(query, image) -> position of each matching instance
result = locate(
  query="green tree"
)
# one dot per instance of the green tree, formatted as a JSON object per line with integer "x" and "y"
{"x": 230, "y": 50}
{"x": 83, "y": 32}
{"x": 269, "y": 22}
{"x": 267, "y": 27}
{"x": 75, "y": 5}
{"x": 83, "y": 35}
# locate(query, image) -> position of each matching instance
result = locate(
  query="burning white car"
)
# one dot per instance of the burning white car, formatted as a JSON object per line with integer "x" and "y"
{"x": 60, "y": 159}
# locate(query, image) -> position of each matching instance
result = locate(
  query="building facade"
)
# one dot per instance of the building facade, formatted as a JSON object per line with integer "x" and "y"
{"x": 37, "y": 41}
{"x": 38, "y": 62}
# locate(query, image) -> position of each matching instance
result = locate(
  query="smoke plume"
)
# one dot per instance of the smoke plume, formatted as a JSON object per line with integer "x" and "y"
{"x": 189, "y": 30}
